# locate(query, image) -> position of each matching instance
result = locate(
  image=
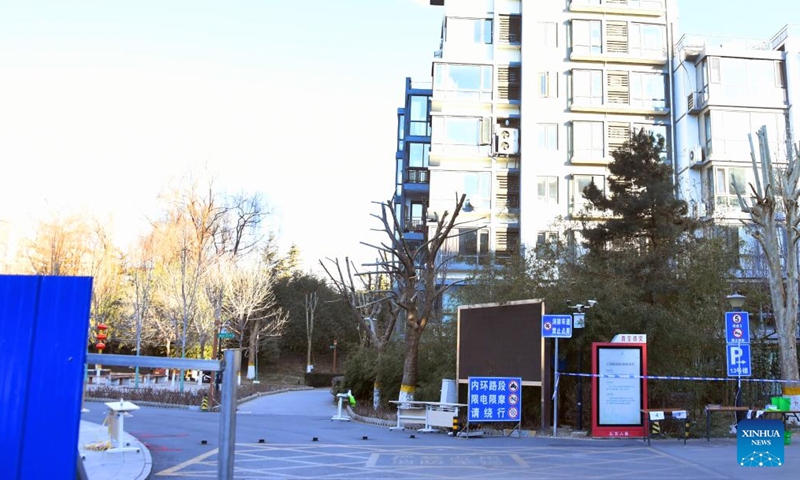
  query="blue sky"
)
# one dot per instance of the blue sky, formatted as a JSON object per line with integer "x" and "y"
{"x": 103, "y": 102}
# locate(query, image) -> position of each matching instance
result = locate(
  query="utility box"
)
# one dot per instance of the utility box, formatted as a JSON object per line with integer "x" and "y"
{"x": 449, "y": 392}
{"x": 44, "y": 326}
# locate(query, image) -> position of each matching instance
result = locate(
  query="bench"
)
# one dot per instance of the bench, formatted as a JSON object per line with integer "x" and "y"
{"x": 119, "y": 378}
{"x": 155, "y": 378}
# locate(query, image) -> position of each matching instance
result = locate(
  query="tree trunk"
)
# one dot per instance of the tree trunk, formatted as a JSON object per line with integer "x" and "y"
{"x": 408, "y": 386}
{"x": 169, "y": 345}
{"x": 376, "y": 385}
{"x": 251, "y": 365}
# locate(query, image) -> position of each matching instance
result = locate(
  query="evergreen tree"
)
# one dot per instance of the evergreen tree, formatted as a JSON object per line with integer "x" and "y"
{"x": 643, "y": 234}
{"x": 641, "y": 199}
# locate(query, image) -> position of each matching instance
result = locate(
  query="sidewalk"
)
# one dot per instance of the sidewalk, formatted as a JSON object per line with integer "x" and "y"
{"x": 102, "y": 465}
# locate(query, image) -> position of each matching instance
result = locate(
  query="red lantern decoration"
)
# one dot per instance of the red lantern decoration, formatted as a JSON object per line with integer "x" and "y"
{"x": 101, "y": 336}
{"x": 102, "y": 326}
{"x": 100, "y": 346}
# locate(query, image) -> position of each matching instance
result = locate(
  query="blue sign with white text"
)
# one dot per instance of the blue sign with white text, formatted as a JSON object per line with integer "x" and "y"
{"x": 495, "y": 399}
{"x": 737, "y": 327}
{"x": 738, "y": 359}
{"x": 557, "y": 326}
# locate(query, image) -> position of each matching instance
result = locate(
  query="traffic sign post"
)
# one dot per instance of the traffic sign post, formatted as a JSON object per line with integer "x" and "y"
{"x": 556, "y": 326}
{"x": 737, "y": 327}
{"x": 737, "y": 348}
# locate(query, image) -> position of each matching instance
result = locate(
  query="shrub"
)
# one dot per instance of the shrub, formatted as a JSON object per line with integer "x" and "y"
{"x": 319, "y": 379}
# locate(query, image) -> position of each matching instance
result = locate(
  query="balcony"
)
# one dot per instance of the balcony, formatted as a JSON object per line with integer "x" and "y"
{"x": 417, "y": 180}
{"x": 645, "y": 8}
{"x": 655, "y": 107}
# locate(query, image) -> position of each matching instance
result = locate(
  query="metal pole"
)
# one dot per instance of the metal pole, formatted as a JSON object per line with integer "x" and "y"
{"x": 227, "y": 425}
{"x": 555, "y": 393}
{"x": 138, "y": 346}
{"x": 580, "y": 384}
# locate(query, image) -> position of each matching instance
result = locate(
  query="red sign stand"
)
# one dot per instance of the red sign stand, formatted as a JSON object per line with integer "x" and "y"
{"x": 631, "y": 352}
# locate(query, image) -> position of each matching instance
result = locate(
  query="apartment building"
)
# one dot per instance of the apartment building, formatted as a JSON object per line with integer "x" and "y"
{"x": 525, "y": 105}
{"x": 726, "y": 89}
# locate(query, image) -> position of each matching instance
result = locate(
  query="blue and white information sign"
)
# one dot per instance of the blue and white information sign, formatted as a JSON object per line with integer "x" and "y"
{"x": 737, "y": 327}
{"x": 495, "y": 399}
{"x": 738, "y": 360}
{"x": 557, "y": 326}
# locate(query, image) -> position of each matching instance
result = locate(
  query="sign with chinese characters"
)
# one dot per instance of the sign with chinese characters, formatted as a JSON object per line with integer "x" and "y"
{"x": 495, "y": 399}
{"x": 738, "y": 359}
{"x": 629, "y": 338}
{"x": 737, "y": 327}
{"x": 557, "y": 326}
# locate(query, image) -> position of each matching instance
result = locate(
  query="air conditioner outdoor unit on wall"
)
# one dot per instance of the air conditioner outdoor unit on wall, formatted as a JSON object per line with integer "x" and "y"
{"x": 508, "y": 141}
{"x": 696, "y": 156}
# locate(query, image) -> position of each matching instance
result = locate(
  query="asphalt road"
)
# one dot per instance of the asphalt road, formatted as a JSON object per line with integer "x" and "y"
{"x": 275, "y": 439}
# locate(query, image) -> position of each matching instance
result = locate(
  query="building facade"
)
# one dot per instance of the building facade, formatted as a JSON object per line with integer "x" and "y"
{"x": 524, "y": 109}
{"x": 726, "y": 89}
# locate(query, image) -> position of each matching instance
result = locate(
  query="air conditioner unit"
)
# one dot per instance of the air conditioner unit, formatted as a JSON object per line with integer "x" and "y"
{"x": 508, "y": 141}
{"x": 696, "y": 156}
{"x": 694, "y": 103}
{"x": 701, "y": 210}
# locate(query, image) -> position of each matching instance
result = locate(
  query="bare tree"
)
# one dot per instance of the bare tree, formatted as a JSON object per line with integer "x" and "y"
{"x": 413, "y": 269}
{"x": 774, "y": 220}
{"x": 366, "y": 303}
{"x": 251, "y": 303}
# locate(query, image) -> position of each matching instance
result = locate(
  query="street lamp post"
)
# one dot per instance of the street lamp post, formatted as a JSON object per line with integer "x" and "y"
{"x": 578, "y": 322}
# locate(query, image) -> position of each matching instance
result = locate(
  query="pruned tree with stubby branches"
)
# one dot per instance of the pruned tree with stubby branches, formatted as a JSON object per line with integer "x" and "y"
{"x": 369, "y": 303}
{"x": 413, "y": 268}
{"x": 773, "y": 221}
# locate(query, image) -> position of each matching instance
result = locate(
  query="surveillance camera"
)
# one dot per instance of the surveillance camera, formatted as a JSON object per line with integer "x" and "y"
{"x": 592, "y": 303}
{"x": 569, "y": 302}
{"x": 579, "y": 306}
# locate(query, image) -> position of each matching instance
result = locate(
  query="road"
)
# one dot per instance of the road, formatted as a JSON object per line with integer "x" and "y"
{"x": 291, "y": 435}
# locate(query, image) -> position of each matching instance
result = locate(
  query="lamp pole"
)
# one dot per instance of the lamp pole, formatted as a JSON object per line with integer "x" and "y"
{"x": 578, "y": 322}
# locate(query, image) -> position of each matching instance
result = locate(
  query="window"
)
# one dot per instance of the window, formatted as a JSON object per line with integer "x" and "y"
{"x": 547, "y": 136}
{"x": 545, "y": 239}
{"x": 401, "y": 131}
{"x": 547, "y": 190}
{"x": 587, "y": 140}
{"x": 468, "y": 30}
{"x": 647, "y": 40}
{"x": 546, "y": 35}
{"x": 648, "y": 90}
{"x": 445, "y": 185}
{"x": 547, "y": 84}
{"x": 463, "y": 82}
{"x": 726, "y": 182}
{"x": 580, "y": 183}
{"x": 418, "y": 155}
{"x": 656, "y": 131}
{"x": 461, "y": 130}
{"x": 473, "y": 244}
{"x": 587, "y": 38}
{"x": 415, "y": 218}
{"x": 707, "y": 124}
{"x": 587, "y": 87}
{"x": 418, "y": 117}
